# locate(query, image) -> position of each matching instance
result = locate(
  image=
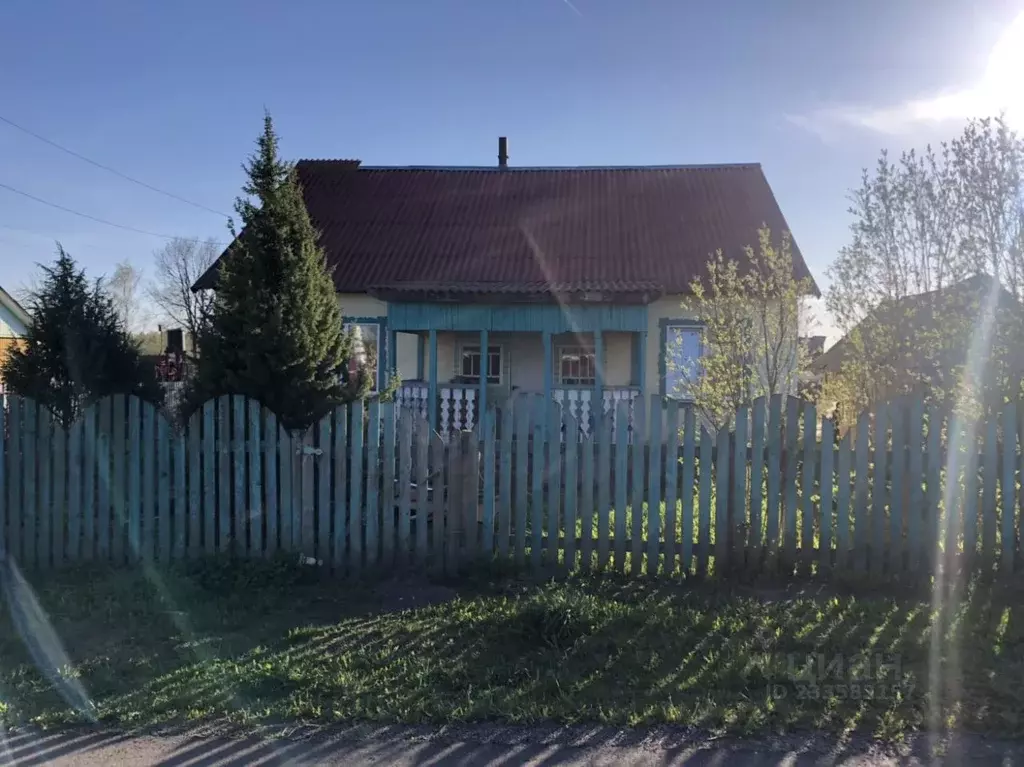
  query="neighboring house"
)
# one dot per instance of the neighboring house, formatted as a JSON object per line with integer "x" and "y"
{"x": 906, "y": 324}
{"x": 477, "y": 283}
{"x": 14, "y": 322}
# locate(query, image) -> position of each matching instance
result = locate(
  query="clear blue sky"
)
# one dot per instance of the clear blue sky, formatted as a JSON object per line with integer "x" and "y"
{"x": 173, "y": 92}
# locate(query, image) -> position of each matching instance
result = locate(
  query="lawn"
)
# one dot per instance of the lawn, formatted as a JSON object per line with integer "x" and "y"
{"x": 268, "y": 644}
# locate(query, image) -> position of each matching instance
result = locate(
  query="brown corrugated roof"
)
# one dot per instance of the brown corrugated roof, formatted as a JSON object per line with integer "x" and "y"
{"x": 509, "y": 230}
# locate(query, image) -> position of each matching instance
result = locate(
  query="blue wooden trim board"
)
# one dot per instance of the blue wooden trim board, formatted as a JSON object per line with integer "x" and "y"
{"x": 553, "y": 318}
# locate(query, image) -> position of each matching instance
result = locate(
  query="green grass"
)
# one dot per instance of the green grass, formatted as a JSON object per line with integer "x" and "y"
{"x": 261, "y": 644}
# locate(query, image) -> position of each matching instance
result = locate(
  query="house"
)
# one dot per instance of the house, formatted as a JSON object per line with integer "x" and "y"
{"x": 477, "y": 283}
{"x": 928, "y": 337}
{"x": 14, "y": 322}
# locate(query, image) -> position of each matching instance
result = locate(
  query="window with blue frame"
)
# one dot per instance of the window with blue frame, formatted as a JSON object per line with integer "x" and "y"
{"x": 365, "y": 349}
{"x": 684, "y": 346}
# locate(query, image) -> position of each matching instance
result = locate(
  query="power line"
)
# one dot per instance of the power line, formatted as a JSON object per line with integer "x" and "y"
{"x": 86, "y": 215}
{"x": 107, "y": 168}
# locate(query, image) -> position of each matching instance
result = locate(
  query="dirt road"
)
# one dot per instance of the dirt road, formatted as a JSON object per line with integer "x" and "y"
{"x": 480, "y": 745}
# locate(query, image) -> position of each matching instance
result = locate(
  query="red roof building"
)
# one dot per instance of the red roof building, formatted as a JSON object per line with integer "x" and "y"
{"x": 570, "y": 278}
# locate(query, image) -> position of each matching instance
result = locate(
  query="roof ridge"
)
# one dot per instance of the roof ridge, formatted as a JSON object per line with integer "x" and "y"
{"x": 540, "y": 168}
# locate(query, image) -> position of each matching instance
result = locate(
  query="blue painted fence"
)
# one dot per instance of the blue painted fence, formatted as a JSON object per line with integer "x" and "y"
{"x": 368, "y": 489}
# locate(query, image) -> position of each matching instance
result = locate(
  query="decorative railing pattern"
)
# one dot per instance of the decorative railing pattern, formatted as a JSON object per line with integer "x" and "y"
{"x": 458, "y": 405}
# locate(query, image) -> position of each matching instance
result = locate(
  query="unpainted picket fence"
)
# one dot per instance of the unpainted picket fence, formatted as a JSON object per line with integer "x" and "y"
{"x": 369, "y": 490}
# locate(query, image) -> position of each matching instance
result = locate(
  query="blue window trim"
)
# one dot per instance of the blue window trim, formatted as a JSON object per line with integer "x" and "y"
{"x": 663, "y": 325}
{"x": 383, "y": 342}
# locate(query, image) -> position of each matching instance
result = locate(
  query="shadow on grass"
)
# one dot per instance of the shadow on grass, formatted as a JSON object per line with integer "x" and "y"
{"x": 256, "y": 646}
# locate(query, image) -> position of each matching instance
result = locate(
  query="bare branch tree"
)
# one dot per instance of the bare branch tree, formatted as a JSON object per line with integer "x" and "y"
{"x": 123, "y": 289}
{"x": 177, "y": 266}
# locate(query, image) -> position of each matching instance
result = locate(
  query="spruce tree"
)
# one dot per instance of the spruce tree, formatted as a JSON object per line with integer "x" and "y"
{"x": 275, "y": 331}
{"x": 76, "y": 349}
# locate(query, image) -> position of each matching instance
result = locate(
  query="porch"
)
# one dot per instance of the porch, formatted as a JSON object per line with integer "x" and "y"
{"x": 471, "y": 359}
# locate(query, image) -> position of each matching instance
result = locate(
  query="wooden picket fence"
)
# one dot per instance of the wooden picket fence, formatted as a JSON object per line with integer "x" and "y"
{"x": 365, "y": 491}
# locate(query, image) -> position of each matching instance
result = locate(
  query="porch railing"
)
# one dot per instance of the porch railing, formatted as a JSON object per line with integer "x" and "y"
{"x": 458, "y": 408}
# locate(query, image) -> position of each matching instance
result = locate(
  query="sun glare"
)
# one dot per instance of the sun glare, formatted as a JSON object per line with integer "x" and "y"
{"x": 1002, "y": 88}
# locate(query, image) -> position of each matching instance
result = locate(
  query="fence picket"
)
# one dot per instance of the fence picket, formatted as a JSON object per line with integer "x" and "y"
{"x": 256, "y": 508}
{"x": 604, "y": 487}
{"x": 655, "y": 473}
{"x": 878, "y": 490}
{"x": 988, "y": 497}
{"x": 133, "y": 467}
{"x": 181, "y": 507}
{"x": 271, "y": 446}
{"x": 389, "y": 502}
{"x": 570, "y": 510}
{"x": 505, "y": 495}
{"x": 538, "y": 464}
{"x": 723, "y": 458}
{"x": 339, "y": 452}
{"x": 790, "y": 479}
{"x": 223, "y": 442}
{"x": 738, "y": 525}
{"x": 404, "y": 487}
{"x": 487, "y": 430}
{"x": 671, "y": 484}
{"x": 239, "y": 506}
{"x": 89, "y": 461}
{"x": 554, "y": 488}
{"x": 689, "y": 469}
{"x": 970, "y": 501}
{"x": 118, "y": 497}
{"x": 209, "y": 507}
{"x": 621, "y": 488}
{"x": 102, "y": 524}
{"x": 148, "y": 535}
{"x": 774, "y": 478}
{"x": 439, "y": 499}
{"x": 163, "y": 486}
{"x": 306, "y": 488}
{"x": 861, "y": 510}
{"x": 825, "y": 494}
{"x": 44, "y": 493}
{"x": 756, "y": 483}
{"x": 704, "y": 503}
{"x": 323, "y": 539}
{"x": 808, "y": 481}
{"x": 1008, "y": 498}
{"x": 75, "y": 489}
{"x": 355, "y": 480}
{"x": 915, "y": 477}
{"x": 375, "y": 510}
{"x": 934, "y": 507}
{"x": 844, "y": 543}
{"x": 521, "y": 409}
{"x": 58, "y": 527}
{"x": 4, "y": 457}
{"x": 637, "y": 478}
{"x": 898, "y": 497}
{"x": 421, "y": 434}
{"x": 588, "y": 514}
{"x": 15, "y": 462}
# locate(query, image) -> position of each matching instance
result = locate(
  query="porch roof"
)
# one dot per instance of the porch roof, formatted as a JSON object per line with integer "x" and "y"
{"x": 554, "y": 318}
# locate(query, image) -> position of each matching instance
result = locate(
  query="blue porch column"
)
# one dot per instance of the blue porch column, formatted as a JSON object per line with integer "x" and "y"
{"x": 597, "y": 404}
{"x": 549, "y": 373}
{"x": 641, "y": 353}
{"x": 421, "y": 353}
{"x": 432, "y": 382}
{"x": 481, "y": 417}
{"x": 390, "y": 359}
